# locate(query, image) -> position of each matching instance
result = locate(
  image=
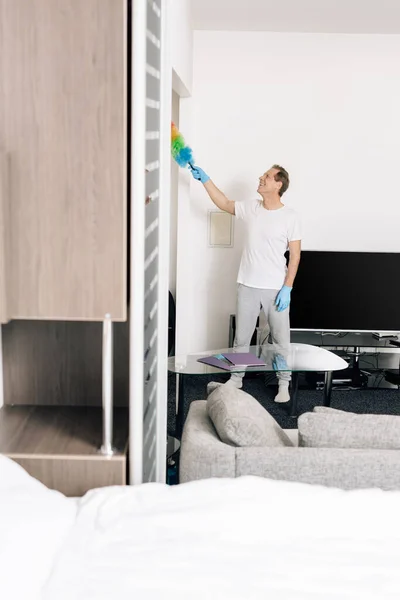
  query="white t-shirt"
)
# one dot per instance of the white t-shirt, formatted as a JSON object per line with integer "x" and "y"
{"x": 268, "y": 233}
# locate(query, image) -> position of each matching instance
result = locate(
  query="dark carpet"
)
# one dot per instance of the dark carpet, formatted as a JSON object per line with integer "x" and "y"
{"x": 367, "y": 400}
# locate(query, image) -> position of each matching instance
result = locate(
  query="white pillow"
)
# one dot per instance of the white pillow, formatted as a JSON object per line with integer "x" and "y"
{"x": 34, "y": 522}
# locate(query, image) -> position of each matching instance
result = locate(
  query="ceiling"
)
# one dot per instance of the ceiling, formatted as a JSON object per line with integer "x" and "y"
{"x": 314, "y": 16}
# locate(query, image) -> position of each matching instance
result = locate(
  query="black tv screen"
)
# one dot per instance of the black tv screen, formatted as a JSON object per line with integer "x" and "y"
{"x": 347, "y": 291}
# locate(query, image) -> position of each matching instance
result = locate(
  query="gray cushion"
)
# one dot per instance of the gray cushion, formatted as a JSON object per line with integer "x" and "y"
{"x": 241, "y": 421}
{"x": 333, "y": 467}
{"x": 349, "y": 430}
{"x": 332, "y": 411}
{"x": 203, "y": 455}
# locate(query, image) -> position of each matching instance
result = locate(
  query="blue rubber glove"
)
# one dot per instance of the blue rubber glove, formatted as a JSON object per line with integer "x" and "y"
{"x": 199, "y": 174}
{"x": 279, "y": 363}
{"x": 283, "y": 298}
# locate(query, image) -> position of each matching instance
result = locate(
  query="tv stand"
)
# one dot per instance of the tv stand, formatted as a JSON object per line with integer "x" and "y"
{"x": 385, "y": 336}
{"x": 353, "y": 345}
{"x": 340, "y": 339}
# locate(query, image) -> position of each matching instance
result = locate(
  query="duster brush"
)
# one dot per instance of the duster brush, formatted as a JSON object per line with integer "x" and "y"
{"x": 180, "y": 152}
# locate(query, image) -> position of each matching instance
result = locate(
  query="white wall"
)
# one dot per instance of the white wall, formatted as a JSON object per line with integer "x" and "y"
{"x": 184, "y": 308}
{"x": 324, "y": 106}
{"x": 180, "y": 19}
{"x": 182, "y": 45}
{"x": 174, "y": 205}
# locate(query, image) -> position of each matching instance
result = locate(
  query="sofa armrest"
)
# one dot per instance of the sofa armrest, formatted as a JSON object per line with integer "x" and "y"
{"x": 343, "y": 468}
{"x": 203, "y": 455}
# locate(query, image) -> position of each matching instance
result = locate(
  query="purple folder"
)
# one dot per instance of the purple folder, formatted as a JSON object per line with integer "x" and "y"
{"x": 213, "y": 361}
{"x": 244, "y": 359}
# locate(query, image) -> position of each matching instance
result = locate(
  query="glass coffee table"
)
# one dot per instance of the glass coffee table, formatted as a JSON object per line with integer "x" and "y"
{"x": 297, "y": 358}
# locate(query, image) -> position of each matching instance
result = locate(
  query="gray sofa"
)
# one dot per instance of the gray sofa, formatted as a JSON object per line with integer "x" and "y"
{"x": 204, "y": 455}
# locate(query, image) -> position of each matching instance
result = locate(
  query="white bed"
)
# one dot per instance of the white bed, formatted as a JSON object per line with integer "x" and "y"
{"x": 245, "y": 538}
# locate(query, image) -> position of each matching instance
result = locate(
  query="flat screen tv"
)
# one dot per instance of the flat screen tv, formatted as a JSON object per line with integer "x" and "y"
{"x": 347, "y": 291}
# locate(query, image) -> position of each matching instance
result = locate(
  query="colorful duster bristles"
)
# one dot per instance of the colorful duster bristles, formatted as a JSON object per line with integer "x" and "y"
{"x": 180, "y": 152}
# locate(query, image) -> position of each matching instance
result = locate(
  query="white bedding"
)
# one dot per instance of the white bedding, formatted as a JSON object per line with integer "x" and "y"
{"x": 246, "y": 538}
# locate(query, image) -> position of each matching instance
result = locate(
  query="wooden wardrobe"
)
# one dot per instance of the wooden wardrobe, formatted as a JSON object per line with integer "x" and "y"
{"x": 63, "y": 139}
{"x": 64, "y": 155}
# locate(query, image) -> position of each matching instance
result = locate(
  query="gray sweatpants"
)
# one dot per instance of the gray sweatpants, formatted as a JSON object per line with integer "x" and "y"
{"x": 249, "y": 303}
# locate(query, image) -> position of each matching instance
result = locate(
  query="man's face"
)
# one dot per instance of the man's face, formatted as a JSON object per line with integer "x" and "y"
{"x": 267, "y": 183}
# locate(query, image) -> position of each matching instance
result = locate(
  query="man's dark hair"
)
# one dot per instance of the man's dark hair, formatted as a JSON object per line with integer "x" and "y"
{"x": 283, "y": 176}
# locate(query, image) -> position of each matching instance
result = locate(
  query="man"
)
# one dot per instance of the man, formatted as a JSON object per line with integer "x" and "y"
{"x": 264, "y": 281}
